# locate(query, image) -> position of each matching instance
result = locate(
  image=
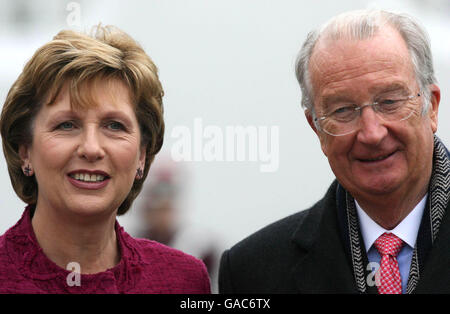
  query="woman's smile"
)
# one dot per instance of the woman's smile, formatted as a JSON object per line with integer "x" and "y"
{"x": 88, "y": 179}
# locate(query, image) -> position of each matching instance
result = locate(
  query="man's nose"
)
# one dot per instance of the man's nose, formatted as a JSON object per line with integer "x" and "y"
{"x": 90, "y": 146}
{"x": 371, "y": 127}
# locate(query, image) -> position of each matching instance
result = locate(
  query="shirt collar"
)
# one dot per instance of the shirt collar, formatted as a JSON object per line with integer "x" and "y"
{"x": 406, "y": 230}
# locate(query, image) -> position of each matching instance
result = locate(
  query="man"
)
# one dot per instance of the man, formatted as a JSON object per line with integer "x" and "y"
{"x": 370, "y": 95}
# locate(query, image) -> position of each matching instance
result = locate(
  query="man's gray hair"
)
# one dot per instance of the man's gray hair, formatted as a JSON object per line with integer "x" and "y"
{"x": 364, "y": 24}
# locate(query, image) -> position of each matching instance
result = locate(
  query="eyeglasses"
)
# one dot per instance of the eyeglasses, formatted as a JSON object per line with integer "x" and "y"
{"x": 343, "y": 119}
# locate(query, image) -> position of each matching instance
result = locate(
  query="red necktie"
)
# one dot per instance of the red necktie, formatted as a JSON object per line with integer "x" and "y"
{"x": 390, "y": 281}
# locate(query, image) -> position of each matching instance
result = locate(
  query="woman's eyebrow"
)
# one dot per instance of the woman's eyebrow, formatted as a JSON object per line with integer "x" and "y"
{"x": 117, "y": 114}
{"x": 62, "y": 114}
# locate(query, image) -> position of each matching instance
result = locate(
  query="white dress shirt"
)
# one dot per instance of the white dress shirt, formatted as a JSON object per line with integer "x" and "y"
{"x": 406, "y": 230}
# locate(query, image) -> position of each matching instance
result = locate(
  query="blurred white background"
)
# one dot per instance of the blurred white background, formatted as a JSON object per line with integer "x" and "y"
{"x": 229, "y": 63}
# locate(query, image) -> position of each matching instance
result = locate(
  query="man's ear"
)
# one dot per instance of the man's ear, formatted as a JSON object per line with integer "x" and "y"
{"x": 309, "y": 117}
{"x": 435, "y": 99}
{"x": 319, "y": 134}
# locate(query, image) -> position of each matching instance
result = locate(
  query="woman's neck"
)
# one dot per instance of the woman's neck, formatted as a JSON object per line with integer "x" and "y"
{"x": 92, "y": 243}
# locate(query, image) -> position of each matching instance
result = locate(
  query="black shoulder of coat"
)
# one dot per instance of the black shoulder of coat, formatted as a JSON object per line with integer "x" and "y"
{"x": 263, "y": 261}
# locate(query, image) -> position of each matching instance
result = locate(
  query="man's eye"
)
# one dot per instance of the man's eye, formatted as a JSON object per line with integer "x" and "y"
{"x": 343, "y": 113}
{"x": 343, "y": 110}
{"x": 388, "y": 101}
{"x": 390, "y": 105}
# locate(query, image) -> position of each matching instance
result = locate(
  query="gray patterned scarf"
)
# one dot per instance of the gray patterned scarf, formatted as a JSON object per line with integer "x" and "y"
{"x": 438, "y": 198}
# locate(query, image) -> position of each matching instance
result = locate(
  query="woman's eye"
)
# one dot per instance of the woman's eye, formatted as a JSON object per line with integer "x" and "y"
{"x": 115, "y": 126}
{"x": 67, "y": 125}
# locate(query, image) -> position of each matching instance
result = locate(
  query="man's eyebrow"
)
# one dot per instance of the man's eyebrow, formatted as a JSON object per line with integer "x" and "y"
{"x": 338, "y": 97}
{"x": 334, "y": 98}
{"x": 384, "y": 88}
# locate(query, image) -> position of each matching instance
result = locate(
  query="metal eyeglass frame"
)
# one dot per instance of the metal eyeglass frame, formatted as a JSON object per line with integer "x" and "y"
{"x": 374, "y": 105}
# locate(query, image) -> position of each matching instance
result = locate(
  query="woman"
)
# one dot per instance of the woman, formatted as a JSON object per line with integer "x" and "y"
{"x": 80, "y": 128}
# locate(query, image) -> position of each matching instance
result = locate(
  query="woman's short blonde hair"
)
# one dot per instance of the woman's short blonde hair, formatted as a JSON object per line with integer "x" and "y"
{"x": 78, "y": 59}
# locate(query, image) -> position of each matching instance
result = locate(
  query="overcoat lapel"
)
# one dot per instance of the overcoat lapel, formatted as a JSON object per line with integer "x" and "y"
{"x": 324, "y": 266}
{"x": 435, "y": 277}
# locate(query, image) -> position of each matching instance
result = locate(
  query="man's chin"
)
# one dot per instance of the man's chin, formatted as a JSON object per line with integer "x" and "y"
{"x": 380, "y": 187}
{"x": 378, "y": 180}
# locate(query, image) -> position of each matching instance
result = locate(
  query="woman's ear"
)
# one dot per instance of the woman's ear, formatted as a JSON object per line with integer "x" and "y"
{"x": 141, "y": 163}
{"x": 24, "y": 154}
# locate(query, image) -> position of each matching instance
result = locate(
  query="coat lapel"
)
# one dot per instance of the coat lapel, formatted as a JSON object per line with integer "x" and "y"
{"x": 324, "y": 266}
{"x": 435, "y": 278}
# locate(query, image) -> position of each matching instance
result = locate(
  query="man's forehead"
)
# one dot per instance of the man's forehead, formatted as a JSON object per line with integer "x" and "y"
{"x": 331, "y": 65}
{"x": 387, "y": 44}
{"x": 338, "y": 60}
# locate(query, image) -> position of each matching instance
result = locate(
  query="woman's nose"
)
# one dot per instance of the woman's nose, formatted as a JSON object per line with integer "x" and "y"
{"x": 90, "y": 146}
